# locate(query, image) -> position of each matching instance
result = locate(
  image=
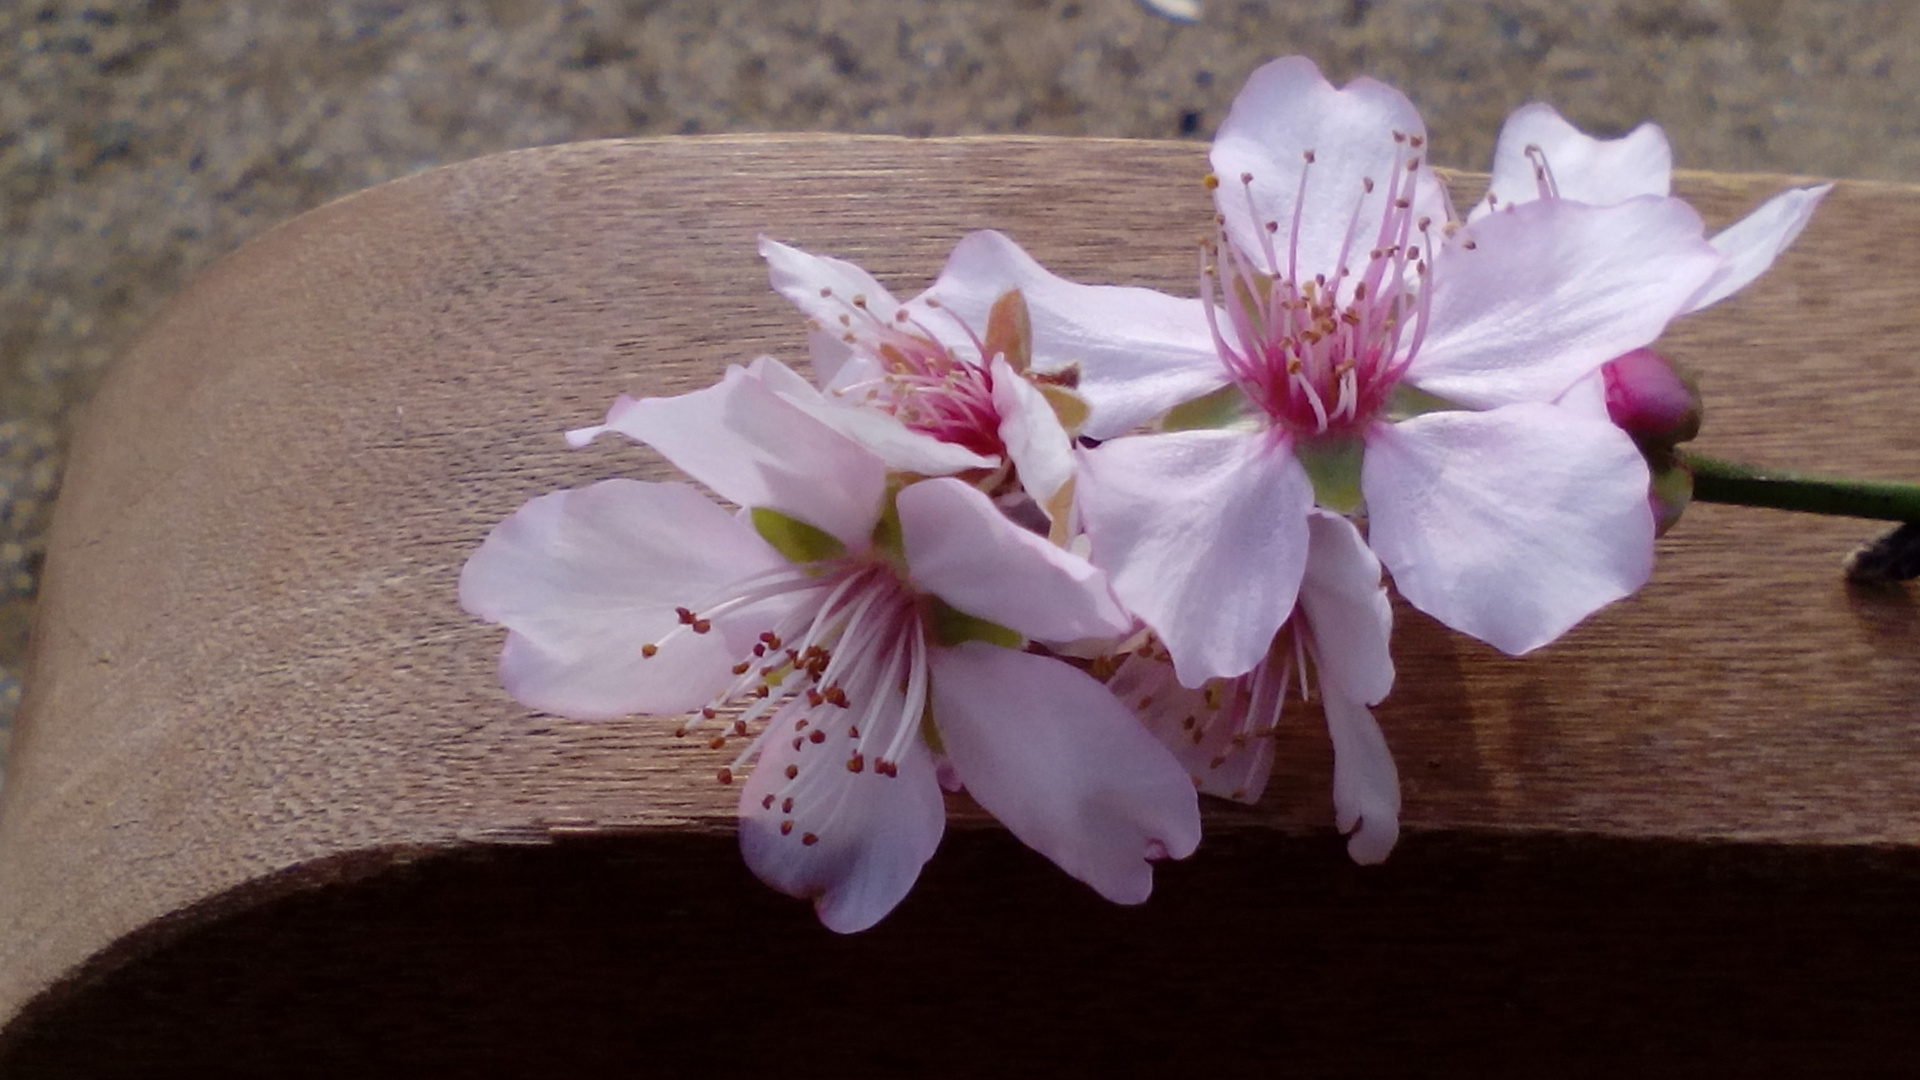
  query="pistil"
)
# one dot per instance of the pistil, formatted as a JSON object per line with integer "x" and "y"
{"x": 1318, "y": 355}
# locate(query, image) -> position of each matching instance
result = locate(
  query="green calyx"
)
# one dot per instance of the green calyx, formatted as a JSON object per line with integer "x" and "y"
{"x": 797, "y": 540}
{"x": 888, "y": 538}
{"x": 951, "y": 626}
{"x": 1669, "y": 492}
{"x": 1406, "y": 402}
{"x": 1221, "y": 408}
{"x": 1333, "y": 464}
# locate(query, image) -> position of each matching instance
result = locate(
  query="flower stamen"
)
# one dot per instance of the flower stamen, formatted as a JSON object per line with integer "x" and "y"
{"x": 1318, "y": 355}
{"x": 844, "y": 671}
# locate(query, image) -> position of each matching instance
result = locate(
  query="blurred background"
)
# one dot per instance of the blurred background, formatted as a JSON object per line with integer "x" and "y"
{"x": 142, "y": 139}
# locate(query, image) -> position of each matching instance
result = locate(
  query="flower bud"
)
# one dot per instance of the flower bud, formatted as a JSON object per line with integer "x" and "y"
{"x": 1650, "y": 401}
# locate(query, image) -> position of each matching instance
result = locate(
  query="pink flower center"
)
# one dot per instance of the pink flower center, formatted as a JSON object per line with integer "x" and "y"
{"x": 921, "y": 383}
{"x": 843, "y": 673}
{"x": 1321, "y": 355}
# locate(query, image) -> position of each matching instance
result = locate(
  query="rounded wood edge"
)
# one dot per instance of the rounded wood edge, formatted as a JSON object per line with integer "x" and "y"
{"x": 531, "y": 175}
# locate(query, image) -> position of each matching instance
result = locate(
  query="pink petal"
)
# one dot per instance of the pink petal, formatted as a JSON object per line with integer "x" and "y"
{"x": 871, "y": 832}
{"x": 1041, "y": 449}
{"x": 802, "y": 277}
{"x": 1601, "y": 172}
{"x": 1286, "y": 111}
{"x": 1553, "y": 289}
{"x": 785, "y": 381}
{"x": 1347, "y": 611}
{"x": 964, "y": 550}
{"x": 1510, "y": 525}
{"x": 857, "y": 370}
{"x": 1139, "y": 352}
{"x": 583, "y": 578}
{"x": 1366, "y": 786}
{"x": 1588, "y": 396}
{"x": 1066, "y": 768}
{"x": 1219, "y": 759}
{"x": 1204, "y": 534}
{"x": 902, "y": 448}
{"x": 1752, "y": 243}
{"x": 756, "y": 448}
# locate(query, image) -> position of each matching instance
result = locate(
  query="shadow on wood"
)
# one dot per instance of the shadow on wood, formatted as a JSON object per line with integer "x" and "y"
{"x": 269, "y": 812}
{"x": 660, "y": 955}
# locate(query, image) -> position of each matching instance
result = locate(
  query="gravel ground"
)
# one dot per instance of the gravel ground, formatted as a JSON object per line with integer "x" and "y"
{"x": 139, "y": 141}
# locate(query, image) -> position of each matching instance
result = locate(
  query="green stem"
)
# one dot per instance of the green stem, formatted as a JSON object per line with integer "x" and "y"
{"x": 1720, "y": 481}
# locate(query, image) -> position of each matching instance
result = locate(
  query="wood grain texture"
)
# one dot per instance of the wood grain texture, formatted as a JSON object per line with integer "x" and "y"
{"x": 268, "y": 808}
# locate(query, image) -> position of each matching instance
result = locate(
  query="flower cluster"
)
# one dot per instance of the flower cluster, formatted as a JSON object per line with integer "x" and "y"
{"x": 1072, "y": 548}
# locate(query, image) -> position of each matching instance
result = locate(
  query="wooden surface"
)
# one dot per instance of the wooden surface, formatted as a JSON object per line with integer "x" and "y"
{"x": 269, "y": 812}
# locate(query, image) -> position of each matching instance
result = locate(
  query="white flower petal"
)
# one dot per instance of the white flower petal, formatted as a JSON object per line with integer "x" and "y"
{"x": 857, "y": 371}
{"x": 1550, "y": 290}
{"x": 583, "y": 578}
{"x": 785, "y": 381}
{"x": 1041, "y": 449}
{"x": 1601, "y": 172}
{"x": 824, "y": 289}
{"x": 758, "y": 449}
{"x": 1588, "y": 397}
{"x": 1139, "y": 352}
{"x": 1288, "y": 109}
{"x": 1366, "y": 786}
{"x": 962, "y": 549}
{"x": 1510, "y": 525}
{"x": 871, "y": 832}
{"x": 1204, "y": 534}
{"x": 1065, "y": 767}
{"x": 1347, "y": 611}
{"x": 1752, "y": 243}
{"x": 903, "y": 449}
{"x": 1206, "y": 742}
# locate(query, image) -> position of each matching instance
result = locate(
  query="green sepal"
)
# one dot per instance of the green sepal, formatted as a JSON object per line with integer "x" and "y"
{"x": 1333, "y": 464}
{"x": 1669, "y": 493}
{"x": 951, "y": 626}
{"x": 797, "y": 540}
{"x": 1009, "y": 332}
{"x": 1068, "y": 406}
{"x": 888, "y": 537}
{"x": 1406, "y": 402}
{"x": 1217, "y": 409}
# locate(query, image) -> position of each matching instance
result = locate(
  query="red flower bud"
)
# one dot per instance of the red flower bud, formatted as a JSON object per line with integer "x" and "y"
{"x": 1650, "y": 401}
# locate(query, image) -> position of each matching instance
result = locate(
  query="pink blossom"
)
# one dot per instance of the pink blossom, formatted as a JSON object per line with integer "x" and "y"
{"x": 1131, "y": 352}
{"x": 867, "y": 633}
{"x": 1540, "y": 155}
{"x": 964, "y": 382}
{"x": 1223, "y": 731}
{"x": 1360, "y": 351}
